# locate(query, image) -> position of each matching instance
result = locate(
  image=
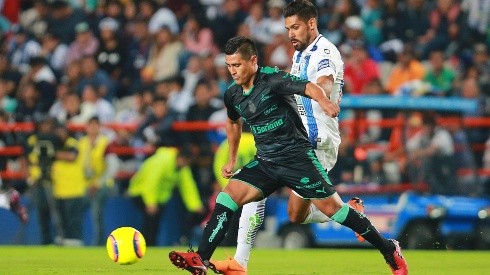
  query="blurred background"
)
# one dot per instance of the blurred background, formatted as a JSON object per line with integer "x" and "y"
{"x": 111, "y": 114}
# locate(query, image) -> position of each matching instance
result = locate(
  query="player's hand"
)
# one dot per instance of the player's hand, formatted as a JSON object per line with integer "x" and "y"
{"x": 332, "y": 110}
{"x": 227, "y": 170}
{"x": 151, "y": 210}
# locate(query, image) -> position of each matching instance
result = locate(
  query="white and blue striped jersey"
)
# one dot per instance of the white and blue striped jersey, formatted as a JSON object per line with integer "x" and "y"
{"x": 320, "y": 58}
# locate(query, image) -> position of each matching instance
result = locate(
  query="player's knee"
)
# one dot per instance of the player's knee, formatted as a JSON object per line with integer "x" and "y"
{"x": 295, "y": 216}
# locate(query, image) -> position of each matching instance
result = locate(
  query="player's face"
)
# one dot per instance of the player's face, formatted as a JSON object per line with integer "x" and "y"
{"x": 299, "y": 31}
{"x": 241, "y": 70}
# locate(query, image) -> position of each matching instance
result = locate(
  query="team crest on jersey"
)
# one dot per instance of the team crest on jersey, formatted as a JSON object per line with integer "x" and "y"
{"x": 323, "y": 64}
{"x": 251, "y": 107}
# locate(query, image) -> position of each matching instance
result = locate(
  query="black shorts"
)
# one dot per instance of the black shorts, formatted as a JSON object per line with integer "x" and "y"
{"x": 303, "y": 174}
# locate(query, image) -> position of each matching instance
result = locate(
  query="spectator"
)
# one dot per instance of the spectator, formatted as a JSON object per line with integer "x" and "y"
{"x": 371, "y": 15}
{"x": 62, "y": 90}
{"x": 407, "y": 68}
{"x": 481, "y": 61}
{"x": 7, "y": 103}
{"x": 92, "y": 74}
{"x": 153, "y": 184}
{"x": 34, "y": 20}
{"x": 40, "y": 154}
{"x": 157, "y": 126}
{"x": 72, "y": 75}
{"x": 138, "y": 54}
{"x": 72, "y": 111}
{"x": 342, "y": 10}
{"x": 223, "y": 77}
{"x": 63, "y": 20}
{"x": 111, "y": 56}
{"x": 360, "y": 69}
{"x": 192, "y": 73}
{"x": 21, "y": 49}
{"x": 446, "y": 29}
{"x": 440, "y": 77}
{"x": 44, "y": 79}
{"x": 30, "y": 107}
{"x": 278, "y": 52}
{"x": 100, "y": 168}
{"x": 179, "y": 98}
{"x": 114, "y": 9}
{"x": 54, "y": 52}
{"x": 163, "y": 61}
{"x": 275, "y": 20}
{"x": 353, "y": 34}
{"x": 85, "y": 44}
{"x": 416, "y": 20}
{"x": 468, "y": 183}
{"x": 478, "y": 18}
{"x": 226, "y": 23}
{"x": 197, "y": 37}
{"x": 69, "y": 187}
{"x": 393, "y": 29}
{"x": 91, "y": 100}
{"x": 431, "y": 156}
{"x": 163, "y": 17}
{"x": 257, "y": 24}
{"x": 201, "y": 110}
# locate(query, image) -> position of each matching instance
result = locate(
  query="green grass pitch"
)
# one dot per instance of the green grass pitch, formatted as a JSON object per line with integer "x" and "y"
{"x": 94, "y": 260}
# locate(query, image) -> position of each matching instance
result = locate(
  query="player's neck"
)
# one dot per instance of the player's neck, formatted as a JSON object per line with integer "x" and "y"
{"x": 313, "y": 38}
{"x": 250, "y": 83}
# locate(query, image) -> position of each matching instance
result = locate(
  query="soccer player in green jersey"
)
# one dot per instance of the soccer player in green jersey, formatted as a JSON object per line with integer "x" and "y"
{"x": 264, "y": 98}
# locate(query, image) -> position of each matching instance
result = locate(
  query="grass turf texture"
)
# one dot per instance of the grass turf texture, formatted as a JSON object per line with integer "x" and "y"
{"x": 91, "y": 260}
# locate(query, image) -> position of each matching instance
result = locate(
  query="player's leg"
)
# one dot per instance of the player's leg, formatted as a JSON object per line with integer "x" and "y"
{"x": 233, "y": 196}
{"x": 303, "y": 211}
{"x": 310, "y": 181}
{"x": 358, "y": 222}
{"x": 250, "y": 221}
{"x": 245, "y": 186}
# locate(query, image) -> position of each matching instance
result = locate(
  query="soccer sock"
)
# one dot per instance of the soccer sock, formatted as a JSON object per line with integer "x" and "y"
{"x": 250, "y": 221}
{"x": 358, "y": 222}
{"x": 217, "y": 226}
{"x": 316, "y": 216}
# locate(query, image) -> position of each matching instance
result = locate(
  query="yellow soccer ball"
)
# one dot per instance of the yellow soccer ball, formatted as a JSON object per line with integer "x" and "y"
{"x": 126, "y": 245}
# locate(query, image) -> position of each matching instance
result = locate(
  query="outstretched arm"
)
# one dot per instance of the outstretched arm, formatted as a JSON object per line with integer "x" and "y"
{"x": 318, "y": 94}
{"x": 233, "y": 133}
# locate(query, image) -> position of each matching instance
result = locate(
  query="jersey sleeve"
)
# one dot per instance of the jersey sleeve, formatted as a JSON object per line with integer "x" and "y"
{"x": 230, "y": 108}
{"x": 325, "y": 64}
{"x": 287, "y": 84}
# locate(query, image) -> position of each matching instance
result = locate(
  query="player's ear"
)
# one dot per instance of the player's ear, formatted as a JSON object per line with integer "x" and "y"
{"x": 253, "y": 59}
{"x": 312, "y": 23}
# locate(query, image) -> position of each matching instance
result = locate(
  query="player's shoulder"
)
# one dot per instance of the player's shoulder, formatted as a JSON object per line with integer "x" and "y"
{"x": 325, "y": 47}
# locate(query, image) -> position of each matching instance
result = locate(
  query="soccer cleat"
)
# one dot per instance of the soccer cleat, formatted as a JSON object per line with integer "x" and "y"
{"x": 358, "y": 205}
{"x": 17, "y": 207}
{"x": 228, "y": 267}
{"x": 395, "y": 260}
{"x": 190, "y": 261}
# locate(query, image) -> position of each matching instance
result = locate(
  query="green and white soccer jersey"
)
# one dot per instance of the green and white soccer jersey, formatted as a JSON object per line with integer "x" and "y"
{"x": 285, "y": 157}
{"x": 320, "y": 58}
{"x": 270, "y": 110}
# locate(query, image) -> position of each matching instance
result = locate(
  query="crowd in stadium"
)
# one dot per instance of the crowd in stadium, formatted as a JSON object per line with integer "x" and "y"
{"x": 151, "y": 63}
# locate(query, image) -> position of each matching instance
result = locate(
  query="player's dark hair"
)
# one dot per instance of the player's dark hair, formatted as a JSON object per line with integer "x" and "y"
{"x": 304, "y": 9}
{"x": 241, "y": 45}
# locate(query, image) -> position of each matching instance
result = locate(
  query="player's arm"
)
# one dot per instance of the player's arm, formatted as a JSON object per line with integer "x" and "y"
{"x": 316, "y": 93}
{"x": 326, "y": 83}
{"x": 233, "y": 133}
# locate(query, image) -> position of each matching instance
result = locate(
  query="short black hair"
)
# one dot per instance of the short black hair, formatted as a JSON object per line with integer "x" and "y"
{"x": 242, "y": 45}
{"x": 304, "y": 9}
